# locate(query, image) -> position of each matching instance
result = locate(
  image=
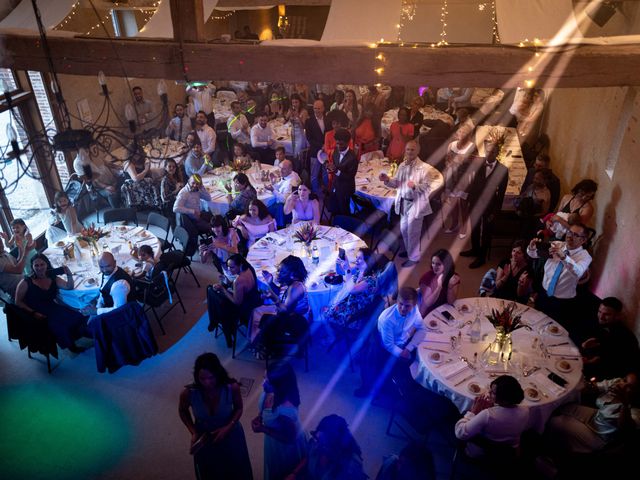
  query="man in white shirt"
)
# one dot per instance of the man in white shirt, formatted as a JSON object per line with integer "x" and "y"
{"x": 180, "y": 125}
{"x": 188, "y": 210}
{"x": 391, "y": 351}
{"x": 238, "y": 125}
{"x": 282, "y": 189}
{"x": 202, "y": 96}
{"x": 262, "y": 140}
{"x": 412, "y": 199}
{"x": 143, "y": 108}
{"x": 206, "y": 134}
{"x": 567, "y": 263}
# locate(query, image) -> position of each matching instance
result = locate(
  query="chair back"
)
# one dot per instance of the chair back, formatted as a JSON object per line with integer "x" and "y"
{"x": 128, "y": 215}
{"x": 181, "y": 235}
{"x": 162, "y": 223}
{"x": 388, "y": 281}
{"x": 351, "y": 224}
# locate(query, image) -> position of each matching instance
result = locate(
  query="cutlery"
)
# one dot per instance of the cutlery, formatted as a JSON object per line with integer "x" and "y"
{"x": 466, "y": 360}
{"x": 435, "y": 349}
{"x": 448, "y": 360}
{"x": 465, "y": 379}
{"x": 558, "y": 344}
{"x": 531, "y": 371}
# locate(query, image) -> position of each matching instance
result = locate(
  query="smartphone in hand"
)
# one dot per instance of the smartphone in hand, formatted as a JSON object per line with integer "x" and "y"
{"x": 342, "y": 255}
{"x": 57, "y": 271}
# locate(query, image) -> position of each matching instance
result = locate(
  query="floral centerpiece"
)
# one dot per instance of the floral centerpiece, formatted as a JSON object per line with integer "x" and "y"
{"x": 240, "y": 164}
{"x": 306, "y": 234}
{"x": 90, "y": 236}
{"x": 506, "y": 320}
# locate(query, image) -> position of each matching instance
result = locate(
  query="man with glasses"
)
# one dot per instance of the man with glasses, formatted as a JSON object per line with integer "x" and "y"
{"x": 568, "y": 262}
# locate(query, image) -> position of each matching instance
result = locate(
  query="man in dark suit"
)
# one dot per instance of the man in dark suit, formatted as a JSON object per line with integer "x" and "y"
{"x": 315, "y": 127}
{"x": 345, "y": 167}
{"x": 485, "y": 199}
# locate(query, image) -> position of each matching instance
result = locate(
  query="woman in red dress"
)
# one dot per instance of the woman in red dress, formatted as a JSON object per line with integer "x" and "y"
{"x": 400, "y": 133}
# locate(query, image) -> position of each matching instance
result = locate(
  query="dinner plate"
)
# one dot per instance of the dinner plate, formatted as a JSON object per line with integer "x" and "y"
{"x": 122, "y": 229}
{"x": 435, "y": 357}
{"x": 553, "y": 329}
{"x": 532, "y": 394}
{"x": 280, "y": 138}
{"x": 433, "y": 325}
{"x": 60, "y": 244}
{"x": 464, "y": 309}
{"x": 90, "y": 281}
{"x": 564, "y": 366}
{"x": 474, "y": 388}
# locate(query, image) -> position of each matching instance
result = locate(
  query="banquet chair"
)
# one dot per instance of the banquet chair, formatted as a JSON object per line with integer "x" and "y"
{"x": 128, "y": 215}
{"x": 291, "y": 340}
{"x": 370, "y": 214}
{"x": 161, "y": 223}
{"x": 501, "y": 461}
{"x": 231, "y": 327}
{"x": 389, "y": 243}
{"x": 181, "y": 260}
{"x": 160, "y": 288}
{"x": 353, "y": 225}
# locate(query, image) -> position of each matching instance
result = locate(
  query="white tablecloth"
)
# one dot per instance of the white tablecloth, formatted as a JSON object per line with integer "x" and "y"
{"x": 545, "y": 353}
{"x": 368, "y": 185}
{"x": 84, "y": 266}
{"x": 428, "y": 112}
{"x": 267, "y": 253}
{"x": 214, "y": 183}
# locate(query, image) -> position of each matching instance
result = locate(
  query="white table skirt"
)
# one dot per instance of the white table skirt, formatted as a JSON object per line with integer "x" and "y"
{"x": 432, "y": 375}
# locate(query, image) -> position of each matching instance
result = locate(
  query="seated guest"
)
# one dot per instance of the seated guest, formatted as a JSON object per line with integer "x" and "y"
{"x": 302, "y": 206}
{"x": 289, "y": 297}
{"x": 66, "y": 213}
{"x": 359, "y": 291}
{"x": 21, "y": 236}
{"x": 37, "y": 294}
{"x": 332, "y": 453}
{"x": 562, "y": 272}
{"x": 496, "y": 416}
{"x": 228, "y": 306}
{"x": 206, "y": 134}
{"x": 367, "y": 132}
{"x": 111, "y": 273}
{"x": 224, "y": 243}
{"x": 240, "y": 155}
{"x": 400, "y": 132}
{"x": 415, "y": 115}
{"x": 338, "y": 100}
{"x": 197, "y": 163}
{"x": 145, "y": 254}
{"x": 171, "y": 184}
{"x": 514, "y": 276}
{"x": 441, "y": 284}
{"x": 579, "y": 203}
{"x": 262, "y": 140}
{"x": 119, "y": 292}
{"x": 414, "y": 462}
{"x": 612, "y": 349}
{"x": 392, "y": 349}
{"x": 139, "y": 188}
{"x": 255, "y": 223}
{"x": 245, "y": 195}
{"x": 282, "y": 188}
{"x": 11, "y": 269}
{"x": 180, "y": 125}
{"x": 238, "y": 125}
{"x": 188, "y": 205}
{"x": 582, "y": 429}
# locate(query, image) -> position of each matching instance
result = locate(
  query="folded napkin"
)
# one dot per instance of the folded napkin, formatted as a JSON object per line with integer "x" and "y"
{"x": 541, "y": 380}
{"x": 452, "y": 369}
{"x": 362, "y": 181}
{"x": 533, "y": 317}
{"x": 437, "y": 337}
{"x": 563, "y": 350}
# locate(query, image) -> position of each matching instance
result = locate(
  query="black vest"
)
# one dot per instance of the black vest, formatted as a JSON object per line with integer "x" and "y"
{"x": 105, "y": 291}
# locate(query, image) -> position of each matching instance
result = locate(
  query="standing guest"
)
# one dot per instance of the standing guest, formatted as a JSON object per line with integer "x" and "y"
{"x": 171, "y": 184}
{"x": 315, "y": 128}
{"x": 297, "y": 116}
{"x": 224, "y": 244}
{"x": 238, "y": 125}
{"x": 302, "y": 207}
{"x": 143, "y": 108}
{"x": 338, "y": 120}
{"x": 542, "y": 162}
{"x": 440, "y": 285}
{"x": 612, "y": 349}
{"x": 496, "y": 416}
{"x": 202, "y": 95}
{"x": 350, "y": 107}
{"x": 415, "y": 115}
{"x": 344, "y": 167}
{"x": 139, "y": 188}
{"x": 276, "y": 105}
{"x": 11, "y": 269}
{"x": 180, "y": 125}
{"x": 284, "y": 440}
{"x": 392, "y": 350}
{"x": 21, "y": 236}
{"x": 66, "y": 213}
{"x": 367, "y": 131}
{"x": 412, "y": 199}
{"x": 211, "y": 408}
{"x": 251, "y": 111}
{"x": 188, "y": 205}
{"x": 376, "y": 99}
{"x": 333, "y": 453}
{"x": 206, "y": 134}
{"x": 486, "y": 195}
{"x": 36, "y": 294}
{"x": 562, "y": 271}
{"x": 255, "y": 223}
{"x": 456, "y": 179}
{"x": 282, "y": 188}
{"x": 514, "y": 275}
{"x": 262, "y": 140}
{"x": 338, "y": 100}
{"x": 400, "y": 132}
{"x": 245, "y": 195}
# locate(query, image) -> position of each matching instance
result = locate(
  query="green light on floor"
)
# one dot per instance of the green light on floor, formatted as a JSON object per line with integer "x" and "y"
{"x": 47, "y": 432}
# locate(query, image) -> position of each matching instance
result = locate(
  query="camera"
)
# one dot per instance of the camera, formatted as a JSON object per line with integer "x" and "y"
{"x": 206, "y": 241}
{"x": 57, "y": 271}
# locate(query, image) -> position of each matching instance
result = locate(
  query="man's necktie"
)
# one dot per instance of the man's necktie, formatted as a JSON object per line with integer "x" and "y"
{"x": 551, "y": 289}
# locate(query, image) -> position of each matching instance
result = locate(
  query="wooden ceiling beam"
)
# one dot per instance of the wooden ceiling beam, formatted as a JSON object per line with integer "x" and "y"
{"x": 477, "y": 66}
{"x": 266, "y": 3}
{"x": 187, "y": 18}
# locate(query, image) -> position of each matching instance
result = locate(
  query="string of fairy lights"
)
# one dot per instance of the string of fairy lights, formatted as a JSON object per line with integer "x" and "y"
{"x": 224, "y": 16}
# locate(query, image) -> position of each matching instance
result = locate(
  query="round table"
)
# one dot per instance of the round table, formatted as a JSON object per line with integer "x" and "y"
{"x": 86, "y": 273}
{"x": 368, "y": 185}
{"x": 462, "y": 372}
{"x": 428, "y": 113}
{"x": 268, "y": 252}
{"x": 215, "y": 180}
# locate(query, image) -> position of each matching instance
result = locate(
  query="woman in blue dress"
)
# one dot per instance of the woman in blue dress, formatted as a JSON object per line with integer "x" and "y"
{"x": 211, "y": 408}
{"x": 284, "y": 439}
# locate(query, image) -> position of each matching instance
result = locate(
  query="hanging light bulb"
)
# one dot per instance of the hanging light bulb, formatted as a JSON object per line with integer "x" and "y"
{"x": 102, "y": 80}
{"x": 130, "y": 115}
{"x": 162, "y": 92}
{"x": 54, "y": 87}
{"x": 11, "y": 133}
